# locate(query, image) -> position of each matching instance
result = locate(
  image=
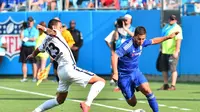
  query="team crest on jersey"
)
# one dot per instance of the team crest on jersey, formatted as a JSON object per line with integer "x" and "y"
{"x": 10, "y": 30}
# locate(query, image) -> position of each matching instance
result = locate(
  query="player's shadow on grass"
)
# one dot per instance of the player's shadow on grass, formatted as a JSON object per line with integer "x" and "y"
{"x": 139, "y": 99}
{"x": 25, "y": 98}
{"x": 196, "y": 92}
{"x": 174, "y": 99}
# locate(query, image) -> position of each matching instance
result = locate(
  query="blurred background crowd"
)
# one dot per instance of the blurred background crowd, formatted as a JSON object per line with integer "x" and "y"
{"x": 66, "y": 5}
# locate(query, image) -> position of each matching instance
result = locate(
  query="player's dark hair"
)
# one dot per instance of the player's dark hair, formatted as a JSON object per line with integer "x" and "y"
{"x": 140, "y": 30}
{"x": 52, "y": 23}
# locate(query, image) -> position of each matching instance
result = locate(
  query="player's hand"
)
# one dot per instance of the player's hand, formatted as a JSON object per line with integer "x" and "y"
{"x": 115, "y": 77}
{"x": 175, "y": 55}
{"x": 173, "y": 35}
{"x": 29, "y": 57}
{"x": 40, "y": 27}
{"x": 124, "y": 26}
{"x": 74, "y": 48}
{"x": 51, "y": 59}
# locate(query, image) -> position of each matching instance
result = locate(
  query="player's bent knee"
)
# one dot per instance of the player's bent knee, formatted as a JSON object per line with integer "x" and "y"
{"x": 132, "y": 103}
{"x": 60, "y": 101}
{"x": 103, "y": 80}
{"x": 96, "y": 78}
{"x": 61, "y": 98}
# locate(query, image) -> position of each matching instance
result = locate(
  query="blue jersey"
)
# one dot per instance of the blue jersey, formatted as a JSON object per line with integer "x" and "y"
{"x": 129, "y": 54}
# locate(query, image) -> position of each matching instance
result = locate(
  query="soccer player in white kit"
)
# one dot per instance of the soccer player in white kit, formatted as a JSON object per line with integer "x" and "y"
{"x": 68, "y": 72}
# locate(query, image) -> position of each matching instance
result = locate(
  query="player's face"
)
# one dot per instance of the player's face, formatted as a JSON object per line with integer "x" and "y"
{"x": 139, "y": 39}
{"x": 59, "y": 26}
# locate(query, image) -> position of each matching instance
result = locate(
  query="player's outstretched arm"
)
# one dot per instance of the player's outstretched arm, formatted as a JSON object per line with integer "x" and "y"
{"x": 47, "y": 30}
{"x": 161, "y": 39}
{"x": 34, "y": 53}
{"x": 114, "y": 62}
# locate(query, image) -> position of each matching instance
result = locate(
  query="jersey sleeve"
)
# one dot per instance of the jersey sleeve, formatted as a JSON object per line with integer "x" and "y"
{"x": 123, "y": 49}
{"x": 147, "y": 42}
{"x": 42, "y": 46}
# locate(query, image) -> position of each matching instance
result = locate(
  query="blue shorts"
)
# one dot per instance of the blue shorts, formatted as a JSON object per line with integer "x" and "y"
{"x": 129, "y": 82}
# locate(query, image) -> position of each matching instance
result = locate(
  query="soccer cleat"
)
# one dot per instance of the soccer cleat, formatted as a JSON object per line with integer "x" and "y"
{"x": 164, "y": 87}
{"x": 34, "y": 80}
{"x": 116, "y": 89}
{"x": 112, "y": 82}
{"x": 172, "y": 88}
{"x": 84, "y": 107}
{"x": 24, "y": 80}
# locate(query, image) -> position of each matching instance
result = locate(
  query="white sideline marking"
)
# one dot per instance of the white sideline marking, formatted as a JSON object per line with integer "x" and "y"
{"x": 162, "y": 105}
{"x": 141, "y": 102}
{"x": 185, "y": 109}
{"x": 173, "y": 107}
{"x": 51, "y": 96}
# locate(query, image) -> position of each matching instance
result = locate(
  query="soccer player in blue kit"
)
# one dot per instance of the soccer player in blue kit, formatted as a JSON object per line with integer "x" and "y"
{"x": 126, "y": 70}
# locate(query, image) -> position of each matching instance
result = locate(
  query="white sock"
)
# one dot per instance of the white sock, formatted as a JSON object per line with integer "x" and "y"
{"x": 94, "y": 91}
{"x": 47, "y": 105}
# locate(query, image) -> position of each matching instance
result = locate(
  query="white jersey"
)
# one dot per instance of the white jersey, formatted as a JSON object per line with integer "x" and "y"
{"x": 58, "y": 49}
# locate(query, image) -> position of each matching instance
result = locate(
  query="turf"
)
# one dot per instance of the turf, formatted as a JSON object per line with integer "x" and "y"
{"x": 186, "y": 96}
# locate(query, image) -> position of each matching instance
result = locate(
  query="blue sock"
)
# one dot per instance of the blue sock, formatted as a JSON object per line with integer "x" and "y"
{"x": 152, "y": 102}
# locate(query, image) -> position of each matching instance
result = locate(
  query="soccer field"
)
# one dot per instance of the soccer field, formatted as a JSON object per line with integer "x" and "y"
{"x": 24, "y": 97}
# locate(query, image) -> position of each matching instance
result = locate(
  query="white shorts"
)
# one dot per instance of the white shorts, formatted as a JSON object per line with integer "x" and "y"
{"x": 68, "y": 76}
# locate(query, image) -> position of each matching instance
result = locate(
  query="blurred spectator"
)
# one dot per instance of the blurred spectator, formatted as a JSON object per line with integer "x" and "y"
{"x": 28, "y": 37}
{"x": 171, "y": 4}
{"x": 2, "y": 5}
{"x": 3, "y": 46}
{"x": 151, "y": 4}
{"x": 74, "y": 2}
{"x": 77, "y": 36}
{"x": 169, "y": 53}
{"x": 51, "y": 4}
{"x": 90, "y": 4}
{"x": 35, "y": 5}
{"x": 136, "y": 4}
{"x": 109, "y": 3}
{"x": 66, "y": 5}
{"x": 67, "y": 36}
{"x": 41, "y": 58}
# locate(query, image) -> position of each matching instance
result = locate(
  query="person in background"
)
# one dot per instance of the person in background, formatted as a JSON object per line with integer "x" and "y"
{"x": 77, "y": 36}
{"x": 170, "y": 49}
{"x": 35, "y": 5}
{"x": 41, "y": 58}
{"x": 28, "y": 37}
{"x": 67, "y": 36}
{"x": 2, "y": 5}
{"x": 3, "y": 46}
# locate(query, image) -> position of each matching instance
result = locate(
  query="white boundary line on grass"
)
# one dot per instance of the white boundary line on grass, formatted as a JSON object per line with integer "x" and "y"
{"x": 51, "y": 96}
{"x": 162, "y": 105}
